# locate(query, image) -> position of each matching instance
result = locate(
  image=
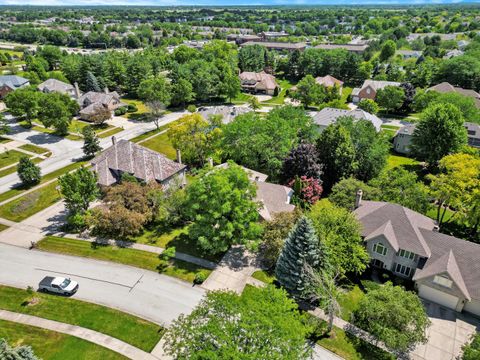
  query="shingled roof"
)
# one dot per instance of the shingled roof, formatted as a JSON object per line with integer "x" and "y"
{"x": 459, "y": 258}
{"x": 274, "y": 198}
{"x": 127, "y": 157}
{"x": 399, "y": 225}
{"x": 328, "y": 116}
{"x": 13, "y": 81}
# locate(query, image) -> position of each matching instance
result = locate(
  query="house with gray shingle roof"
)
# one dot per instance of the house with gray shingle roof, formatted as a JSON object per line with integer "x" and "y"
{"x": 9, "y": 83}
{"x": 328, "y": 116}
{"x": 445, "y": 269}
{"x": 92, "y": 102}
{"x": 54, "y": 85}
{"x": 144, "y": 164}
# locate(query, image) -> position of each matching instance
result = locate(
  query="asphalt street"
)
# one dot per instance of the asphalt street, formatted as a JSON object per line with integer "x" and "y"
{"x": 152, "y": 296}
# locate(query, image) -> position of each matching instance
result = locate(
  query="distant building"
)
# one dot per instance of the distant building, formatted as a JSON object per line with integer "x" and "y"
{"x": 328, "y": 116}
{"x": 409, "y": 54}
{"x": 278, "y": 46}
{"x": 327, "y": 81}
{"x": 243, "y": 38}
{"x": 353, "y": 48}
{"x": 126, "y": 157}
{"x": 54, "y": 85}
{"x": 9, "y": 83}
{"x": 453, "y": 53}
{"x": 446, "y": 87}
{"x": 272, "y": 35}
{"x": 403, "y": 139}
{"x": 369, "y": 89}
{"x": 261, "y": 83}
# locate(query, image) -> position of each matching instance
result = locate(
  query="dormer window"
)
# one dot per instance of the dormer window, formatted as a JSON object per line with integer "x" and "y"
{"x": 380, "y": 249}
{"x": 442, "y": 281}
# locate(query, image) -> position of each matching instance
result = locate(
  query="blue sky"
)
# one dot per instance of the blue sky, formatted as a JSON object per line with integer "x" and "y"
{"x": 226, "y": 2}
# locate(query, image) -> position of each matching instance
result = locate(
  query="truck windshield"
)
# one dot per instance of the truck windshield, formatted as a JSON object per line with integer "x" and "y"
{"x": 65, "y": 283}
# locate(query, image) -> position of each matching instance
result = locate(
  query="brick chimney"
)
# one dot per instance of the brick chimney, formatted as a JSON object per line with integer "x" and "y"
{"x": 358, "y": 198}
{"x": 77, "y": 90}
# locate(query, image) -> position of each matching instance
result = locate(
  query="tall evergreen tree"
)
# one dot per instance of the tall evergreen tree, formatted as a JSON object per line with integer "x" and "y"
{"x": 301, "y": 251}
{"x": 28, "y": 172}
{"x": 91, "y": 83}
{"x": 91, "y": 143}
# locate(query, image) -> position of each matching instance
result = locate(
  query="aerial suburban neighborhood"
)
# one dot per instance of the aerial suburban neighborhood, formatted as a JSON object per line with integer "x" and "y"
{"x": 239, "y": 180}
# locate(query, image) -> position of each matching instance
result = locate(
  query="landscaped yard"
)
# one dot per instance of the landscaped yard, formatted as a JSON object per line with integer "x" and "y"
{"x": 285, "y": 85}
{"x": 13, "y": 168}
{"x": 241, "y": 98}
{"x": 161, "y": 144}
{"x": 10, "y": 157}
{"x": 31, "y": 203}
{"x": 3, "y": 227}
{"x": 36, "y": 149}
{"x": 53, "y": 175}
{"x": 110, "y": 132}
{"x": 394, "y": 161}
{"x": 264, "y": 276}
{"x": 131, "y": 329}
{"x": 142, "y": 259}
{"x": 348, "y": 302}
{"x": 50, "y": 345}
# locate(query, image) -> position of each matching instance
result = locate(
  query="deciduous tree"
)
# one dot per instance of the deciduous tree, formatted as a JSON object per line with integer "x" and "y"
{"x": 79, "y": 189}
{"x": 28, "y": 172}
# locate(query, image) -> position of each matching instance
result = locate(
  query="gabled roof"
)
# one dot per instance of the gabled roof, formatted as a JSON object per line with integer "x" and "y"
{"x": 445, "y": 264}
{"x": 261, "y": 79}
{"x": 13, "y": 81}
{"x": 98, "y": 97}
{"x": 127, "y": 157}
{"x": 328, "y": 81}
{"x": 229, "y": 113}
{"x": 274, "y": 198}
{"x": 378, "y": 84}
{"x": 400, "y": 225}
{"x": 446, "y": 87}
{"x": 328, "y": 116}
{"x": 56, "y": 85}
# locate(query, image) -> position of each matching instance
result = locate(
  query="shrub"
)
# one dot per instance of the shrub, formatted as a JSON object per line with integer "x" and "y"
{"x": 121, "y": 111}
{"x": 28, "y": 172}
{"x": 199, "y": 278}
{"x": 191, "y": 108}
{"x": 168, "y": 253}
{"x": 131, "y": 108}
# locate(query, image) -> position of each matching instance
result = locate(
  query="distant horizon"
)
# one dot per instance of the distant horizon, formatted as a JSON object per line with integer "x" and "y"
{"x": 227, "y": 3}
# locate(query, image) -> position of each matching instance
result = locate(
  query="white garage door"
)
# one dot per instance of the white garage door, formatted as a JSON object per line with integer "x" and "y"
{"x": 438, "y": 297}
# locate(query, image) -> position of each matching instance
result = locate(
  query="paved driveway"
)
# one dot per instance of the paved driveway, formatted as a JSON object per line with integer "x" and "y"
{"x": 448, "y": 332}
{"x": 152, "y": 296}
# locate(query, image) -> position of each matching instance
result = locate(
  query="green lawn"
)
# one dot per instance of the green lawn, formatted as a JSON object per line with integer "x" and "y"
{"x": 110, "y": 132}
{"x": 264, "y": 276}
{"x": 4, "y": 140}
{"x": 346, "y": 91}
{"x": 241, "y": 98}
{"x": 141, "y": 107}
{"x": 13, "y": 168}
{"x": 31, "y": 203}
{"x": 51, "y": 345}
{"x": 77, "y": 126}
{"x": 348, "y": 302}
{"x": 142, "y": 259}
{"x": 161, "y": 144}
{"x": 53, "y": 175}
{"x": 35, "y": 149}
{"x": 176, "y": 237}
{"x": 351, "y": 348}
{"x": 394, "y": 161}
{"x": 3, "y": 227}
{"x": 10, "y": 157}
{"x": 285, "y": 85}
{"x": 131, "y": 329}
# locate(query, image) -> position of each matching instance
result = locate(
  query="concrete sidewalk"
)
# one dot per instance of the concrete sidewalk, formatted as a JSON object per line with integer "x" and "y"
{"x": 86, "y": 334}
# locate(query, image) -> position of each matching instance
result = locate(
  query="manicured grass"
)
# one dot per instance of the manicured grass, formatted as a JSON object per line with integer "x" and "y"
{"x": 3, "y": 227}
{"x": 77, "y": 126}
{"x": 346, "y": 91}
{"x": 4, "y": 140}
{"x": 51, "y": 345}
{"x": 391, "y": 127}
{"x": 141, "y": 107}
{"x": 10, "y": 157}
{"x": 131, "y": 329}
{"x": 264, "y": 276}
{"x": 161, "y": 144}
{"x": 109, "y": 132}
{"x": 394, "y": 161}
{"x": 142, "y": 259}
{"x": 53, "y": 175}
{"x": 351, "y": 348}
{"x": 176, "y": 237}
{"x": 349, "y": 302}
{"x": 35, "y": 149}
{"x": 31, "y": 203}
{"x": 13, "y": 168}
{"x": 241, "y": 98}
{"x": 280, "y": 99}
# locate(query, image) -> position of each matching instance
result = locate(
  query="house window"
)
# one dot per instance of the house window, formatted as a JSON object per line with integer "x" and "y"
{"x": 442, "y": 281}
{"x": 380, "y": 249}
{"x": 368, "y": 91}
{"x": 406, "y": 254}
{"x": 402, "y": 269}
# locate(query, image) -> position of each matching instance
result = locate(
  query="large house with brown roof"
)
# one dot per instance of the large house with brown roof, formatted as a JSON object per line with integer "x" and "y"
{"x": 446, "y": 87}
{"x": 369, "y": 89}
{"x": 54, "y": 85}
{"x": 92, "y": 102}
{"x": 258, "y": 83}
{"x": 144, "y": 164}
{"x": 445, "y": 269}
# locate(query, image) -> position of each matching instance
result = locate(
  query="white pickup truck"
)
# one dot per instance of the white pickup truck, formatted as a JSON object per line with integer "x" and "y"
{"x": 58, "y": 285}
